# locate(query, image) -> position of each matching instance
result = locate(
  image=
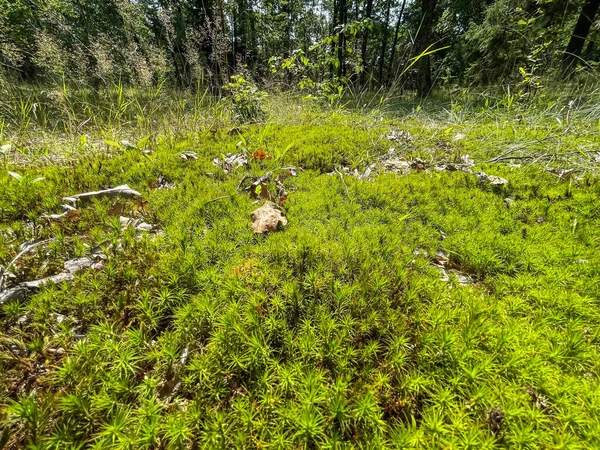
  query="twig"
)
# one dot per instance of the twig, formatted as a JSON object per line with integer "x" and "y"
{"x": 343, "y": 182}
{"x": 244, "y": 178}
{"x": 215, "y": 200}
{"x": 19, "y": 255}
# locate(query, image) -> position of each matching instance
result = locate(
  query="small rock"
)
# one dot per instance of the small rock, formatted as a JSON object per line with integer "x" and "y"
{"x": 459, "y": 137}
{"x": 509, "y": 202}
{"x": 267, "y": 218}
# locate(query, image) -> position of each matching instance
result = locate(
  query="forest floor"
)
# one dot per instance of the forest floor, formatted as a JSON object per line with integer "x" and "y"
{"x": 433, "y": 281}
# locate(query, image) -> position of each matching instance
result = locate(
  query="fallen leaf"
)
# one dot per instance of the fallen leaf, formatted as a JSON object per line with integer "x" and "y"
{"x": 128, "y": 145}
{"x": 260, "y": 154}
{"x": 267, "y": 218}
{"x": 495, "y": 419}
{"x": 467, "y": 160}
{"x": 231, "y": 162}
{"x": 491, "y": 179}
{"x": 396, "y": 135}
{"x": 189, "y": 156}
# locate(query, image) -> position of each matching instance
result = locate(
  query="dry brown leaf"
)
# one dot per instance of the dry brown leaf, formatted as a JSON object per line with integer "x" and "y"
{"x": 267, "y": 218}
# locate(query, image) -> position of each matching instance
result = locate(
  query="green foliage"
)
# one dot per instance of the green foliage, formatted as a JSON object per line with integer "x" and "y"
{"x": 248, "y": 100}
{"x": 358, "y": 45}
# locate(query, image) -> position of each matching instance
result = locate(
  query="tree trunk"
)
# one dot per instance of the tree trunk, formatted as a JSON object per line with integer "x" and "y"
{"x": 341, "y": 50}
{"x": 581, "y": 31}
{"x": 334, "y": 24}
{"x": 386, "y": 27}
{"x": 424, "y": 83}
{"x": 395, "y": 44}
{"x": 365, "y": 41}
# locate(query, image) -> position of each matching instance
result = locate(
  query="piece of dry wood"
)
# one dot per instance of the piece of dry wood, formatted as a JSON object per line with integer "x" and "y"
{"x": 25, "y": 250}
{"x": 119, "y": 191}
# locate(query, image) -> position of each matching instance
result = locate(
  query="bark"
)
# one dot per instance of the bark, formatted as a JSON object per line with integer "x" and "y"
{"x": 334, "y": 24}
{"x": 424, "y": 82}
{"x": 386, "y": 26}
{"x": 395, "y": 44}
{"x": 341, "y": 50}
{"x": 363, "y": 53}
{"x": 580, "y": 32}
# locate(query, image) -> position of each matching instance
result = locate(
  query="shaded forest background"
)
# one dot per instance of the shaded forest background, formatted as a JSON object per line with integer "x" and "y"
{"x": 303, "y": 44}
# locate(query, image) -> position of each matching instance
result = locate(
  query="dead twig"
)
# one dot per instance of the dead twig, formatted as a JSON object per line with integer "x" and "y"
{"x": 343, "y": 182}
{"x": 26, "y": 250}
{"x": 215, "y": 200}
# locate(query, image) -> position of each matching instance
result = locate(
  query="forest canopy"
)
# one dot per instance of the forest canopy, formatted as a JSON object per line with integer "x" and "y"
{"x": 362, "y": 44}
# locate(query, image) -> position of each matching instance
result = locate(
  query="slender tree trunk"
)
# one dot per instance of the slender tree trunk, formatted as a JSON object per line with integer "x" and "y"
{"x": 341, "y": 39}
{"x": 424, "y": 82}
{"x": 334, "y": 25}
{"x": 234, "y": 46}
{"x": 288, "y": 28}
{"x": 386, "y": 27}
{"x": 253, "y": 43}
{"x": 581, "y": 31}
{"x": 363, "y": 53}
{"x": 395, "y": 44}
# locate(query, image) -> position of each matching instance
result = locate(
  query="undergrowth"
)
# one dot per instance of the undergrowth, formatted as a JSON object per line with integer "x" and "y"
{"x": 334, "y": 332}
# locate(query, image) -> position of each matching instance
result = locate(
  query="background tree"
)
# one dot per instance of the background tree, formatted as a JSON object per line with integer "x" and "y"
{"x": 581, "y": 31}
